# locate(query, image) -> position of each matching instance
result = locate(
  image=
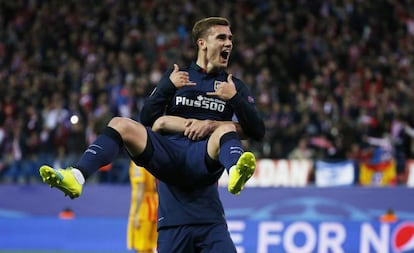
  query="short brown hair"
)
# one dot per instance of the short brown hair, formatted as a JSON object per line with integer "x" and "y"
{"x": 201, "y": 27}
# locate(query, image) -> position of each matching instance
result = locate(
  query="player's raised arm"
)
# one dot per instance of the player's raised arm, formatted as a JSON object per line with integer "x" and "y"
{"x": 180, "y": 78}
{"x": 225, "y": 90}
{"x": 156, "y": 103}
{"x": 243, "y": 105}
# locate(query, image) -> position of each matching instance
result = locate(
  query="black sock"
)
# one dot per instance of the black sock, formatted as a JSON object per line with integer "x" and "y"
{"x": 230, "y": 149}
{"x": 101, "y": 152}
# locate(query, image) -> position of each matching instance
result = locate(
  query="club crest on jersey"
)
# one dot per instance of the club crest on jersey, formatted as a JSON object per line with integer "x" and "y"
{"x": 216, "y": 84}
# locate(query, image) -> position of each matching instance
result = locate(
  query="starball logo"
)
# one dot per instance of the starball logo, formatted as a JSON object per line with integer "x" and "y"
{"x": 403, "y": 238}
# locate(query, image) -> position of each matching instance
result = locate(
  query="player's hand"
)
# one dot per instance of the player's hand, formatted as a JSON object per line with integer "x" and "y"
{"x": 197, "y": 129}
{"x": 225, "y": 90}
{"x": 180, "y": 78}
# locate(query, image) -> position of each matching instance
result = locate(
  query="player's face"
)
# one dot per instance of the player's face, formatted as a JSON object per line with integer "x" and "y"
{"x": 218, "y": 47}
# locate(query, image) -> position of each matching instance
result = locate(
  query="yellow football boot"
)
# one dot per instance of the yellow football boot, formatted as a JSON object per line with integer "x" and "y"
{"x": 241, "y": 172}
{"x": 63, "y": 179}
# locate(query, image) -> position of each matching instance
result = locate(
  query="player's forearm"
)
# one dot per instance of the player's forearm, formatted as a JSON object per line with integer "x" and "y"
{"x": 215, "y": 124}
{"x": 248, "y": 117}
{"x": 154, "y": 106}
{"x": 175, "y": 124}
{"x": 169, "y": 124}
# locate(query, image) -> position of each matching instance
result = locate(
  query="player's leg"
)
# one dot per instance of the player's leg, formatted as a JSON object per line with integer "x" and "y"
{"x": 120, "y": 132}
{"x": 214, "y": 238}
{"x": 165, "y": 159}
{"x": 177, "y": 239}
{"x": 153, "y": 236}
{"x": 145, "y": 237}
{"x": 224, "y": 145}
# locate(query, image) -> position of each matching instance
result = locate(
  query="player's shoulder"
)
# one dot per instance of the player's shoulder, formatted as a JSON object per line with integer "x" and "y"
{"x": 236, "y": 79}
{"x": 238, "y": 82}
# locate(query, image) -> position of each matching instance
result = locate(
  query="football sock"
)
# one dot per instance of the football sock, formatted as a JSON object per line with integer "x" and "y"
{"x": 78, "y": 176}
{"x": 230, "y": 149}
{"x": 101, "y": 152}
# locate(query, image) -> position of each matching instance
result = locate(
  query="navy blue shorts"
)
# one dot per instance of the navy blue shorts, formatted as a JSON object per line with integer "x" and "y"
{"x": 204, "y": 238}
{"x": 181, "y": 161}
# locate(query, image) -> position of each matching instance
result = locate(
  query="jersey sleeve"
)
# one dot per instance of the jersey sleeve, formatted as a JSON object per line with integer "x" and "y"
{"x": 154, "y": 106}
{"x": 246, "y": 112}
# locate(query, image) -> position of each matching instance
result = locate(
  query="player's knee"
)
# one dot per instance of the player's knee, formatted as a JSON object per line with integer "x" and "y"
{"x": 225, "y": 128}
{"x": 120, "y": 124}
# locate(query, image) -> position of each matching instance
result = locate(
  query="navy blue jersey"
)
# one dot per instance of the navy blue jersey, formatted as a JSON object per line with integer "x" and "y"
{"x": 193, "y": 202}
{"x": 187, "y": 188}
{"x": 183, "y": 206}
{"x": 192, "y": 102}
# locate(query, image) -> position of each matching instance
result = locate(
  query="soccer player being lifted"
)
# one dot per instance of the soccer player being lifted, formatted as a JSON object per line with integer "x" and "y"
{"x": 191, "y": 125}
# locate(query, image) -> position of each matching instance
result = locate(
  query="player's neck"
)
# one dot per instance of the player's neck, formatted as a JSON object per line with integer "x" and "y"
{"x": 207, "y": 67}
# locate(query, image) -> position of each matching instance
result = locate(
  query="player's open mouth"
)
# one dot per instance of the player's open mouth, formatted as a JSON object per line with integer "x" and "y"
{"x": 225, "y": 55}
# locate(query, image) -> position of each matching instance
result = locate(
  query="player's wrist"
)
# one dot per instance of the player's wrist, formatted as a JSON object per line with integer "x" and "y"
{"x": 212, "y": 125}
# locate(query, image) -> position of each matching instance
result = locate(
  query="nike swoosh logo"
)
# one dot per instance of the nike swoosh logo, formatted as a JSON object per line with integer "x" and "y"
{"x": 160, "y": 219}
{"x": 94, "y": 145}
{"x": 90, "y": 150}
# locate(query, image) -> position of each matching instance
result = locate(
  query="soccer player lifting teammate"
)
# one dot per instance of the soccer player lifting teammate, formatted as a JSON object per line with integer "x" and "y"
{"x": 187, "y": 135}
{"x": 191, "y": 130}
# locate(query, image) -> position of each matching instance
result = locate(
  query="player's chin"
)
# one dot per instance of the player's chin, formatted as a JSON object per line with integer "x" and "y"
{"x": 222, "y": 64}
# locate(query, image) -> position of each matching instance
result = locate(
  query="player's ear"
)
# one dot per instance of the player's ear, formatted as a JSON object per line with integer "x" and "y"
{"x": 201, "y": 44}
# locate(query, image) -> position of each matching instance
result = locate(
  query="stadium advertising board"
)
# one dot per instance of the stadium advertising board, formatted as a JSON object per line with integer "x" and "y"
{"x": 278, "y": 173}
{"x": 261, "y": 219}
{"x": 297, "y": 173}
{"x": 330, "y": 236}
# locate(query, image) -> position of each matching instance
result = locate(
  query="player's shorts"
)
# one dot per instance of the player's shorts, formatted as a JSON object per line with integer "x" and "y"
{"x": 180, "y": 161}
{"x": 206, "y": 238}
{"x": 143, "y": 238}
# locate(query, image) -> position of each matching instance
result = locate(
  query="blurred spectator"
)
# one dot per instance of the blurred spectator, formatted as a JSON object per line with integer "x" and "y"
{"x": 302, "y": 151}
{"x": 389, "y": 216}
{"x": 67, "y": 214}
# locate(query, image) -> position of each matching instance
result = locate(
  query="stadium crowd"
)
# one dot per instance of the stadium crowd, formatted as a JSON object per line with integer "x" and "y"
{"x": 335, "y": 76}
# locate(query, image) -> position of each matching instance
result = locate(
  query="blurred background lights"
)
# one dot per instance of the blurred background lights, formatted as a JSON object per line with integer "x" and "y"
{"x": 74, "y": 119}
